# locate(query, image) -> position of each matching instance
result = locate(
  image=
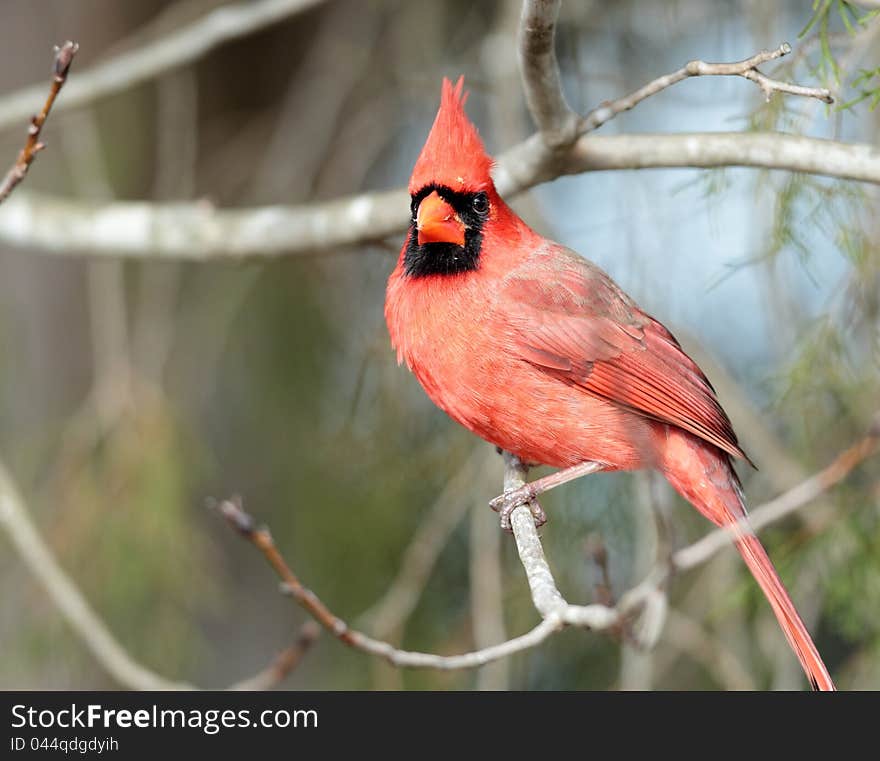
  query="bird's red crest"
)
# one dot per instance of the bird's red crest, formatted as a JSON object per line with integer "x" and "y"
{"x": 454, "y": 154}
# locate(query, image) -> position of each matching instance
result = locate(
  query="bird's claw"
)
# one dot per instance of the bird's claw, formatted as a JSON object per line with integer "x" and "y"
{"x": 506, "y": 503}
{"x": 511, "y": 499}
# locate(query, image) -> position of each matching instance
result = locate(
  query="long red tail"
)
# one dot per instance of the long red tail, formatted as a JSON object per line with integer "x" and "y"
{"x": 703, "y": 475}
{"x": 792, "y": 625}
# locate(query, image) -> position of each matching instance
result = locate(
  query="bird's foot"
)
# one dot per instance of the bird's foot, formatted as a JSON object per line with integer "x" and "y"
{"x": 506, "y": 503}
{"x": 510, "y": 500}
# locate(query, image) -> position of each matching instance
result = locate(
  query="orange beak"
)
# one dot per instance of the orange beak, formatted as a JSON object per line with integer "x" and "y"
{"x": 437, "y": 222}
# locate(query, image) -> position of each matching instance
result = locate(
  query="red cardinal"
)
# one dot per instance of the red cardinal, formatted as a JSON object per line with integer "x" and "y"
{"x": 539, "y": 352}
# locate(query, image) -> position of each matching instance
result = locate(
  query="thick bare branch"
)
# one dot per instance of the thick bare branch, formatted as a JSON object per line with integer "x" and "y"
{"x": 199, "y": 231}
{"x": 556, "y": 122}
{"x": 172, "y": 50}
{"x": 764, "y": 150}
{"x": 63, "y": 59}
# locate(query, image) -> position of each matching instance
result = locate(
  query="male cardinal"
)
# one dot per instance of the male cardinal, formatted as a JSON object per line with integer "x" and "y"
{"x": 539, "y": 352}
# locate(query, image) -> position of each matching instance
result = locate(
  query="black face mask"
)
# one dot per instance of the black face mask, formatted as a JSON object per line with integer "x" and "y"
{"x": 438, "y": 258}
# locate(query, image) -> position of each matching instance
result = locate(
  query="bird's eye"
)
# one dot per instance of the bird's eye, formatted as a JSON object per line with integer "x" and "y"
{"x": 414, "y": 208}
{"x": 480, "y": 204}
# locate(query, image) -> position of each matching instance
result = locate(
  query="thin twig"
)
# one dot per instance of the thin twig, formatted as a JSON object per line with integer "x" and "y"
{"x": 63, "y": 59}
{"x": 593, "y": 616}
{"x": 594, "y": 547}
{"x": 770, "y": 512}
{"x": 747, "y": 68}
{"x": 285, "y": 663}
{"x": 385, "y": 617}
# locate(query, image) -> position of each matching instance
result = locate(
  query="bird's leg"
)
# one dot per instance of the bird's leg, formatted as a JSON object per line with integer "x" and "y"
{"x": 506, "y": 503}
{"x": 536, "y": 510}
{"x": 515, "y": 471}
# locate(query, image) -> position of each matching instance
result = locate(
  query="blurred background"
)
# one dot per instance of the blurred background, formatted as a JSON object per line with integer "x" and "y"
{"x": 132, "y": 391}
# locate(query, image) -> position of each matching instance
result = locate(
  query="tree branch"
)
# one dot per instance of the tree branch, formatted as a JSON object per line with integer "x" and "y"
{"x": 594, "y": 616}
{"x": 63, "y": 59}
{"x": 647, "y": 598}
{"x": 556, "y": 612}
{"x": 172, "y": 50}
{"x": 747, "y": 68}
{"x": 387, "y": 615}
{"x": 770, "y": 512}
{"x": 559, "y": 126}
{"x": 763, "y": 150}
{"x": 285, "y": 663}
{"x": 646, "y": 601}
{"x": 199, "y": 232}
{"x": 15, "y": 520}
{"x": 556, "y": 122}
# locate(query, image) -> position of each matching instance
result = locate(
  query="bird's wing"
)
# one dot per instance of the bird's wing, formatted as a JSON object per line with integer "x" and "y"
{"x": 567, "y": 317}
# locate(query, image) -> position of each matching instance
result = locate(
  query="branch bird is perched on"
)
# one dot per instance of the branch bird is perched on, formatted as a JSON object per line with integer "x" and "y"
{"x": 539, "y": 352}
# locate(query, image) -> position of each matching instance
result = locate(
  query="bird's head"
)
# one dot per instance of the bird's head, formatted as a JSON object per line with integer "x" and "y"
{"x": 452, "y": 193}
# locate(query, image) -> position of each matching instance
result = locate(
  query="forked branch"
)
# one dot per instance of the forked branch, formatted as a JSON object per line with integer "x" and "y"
{"x": 747, "y": 69}
{"x": 640, "y": 613}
